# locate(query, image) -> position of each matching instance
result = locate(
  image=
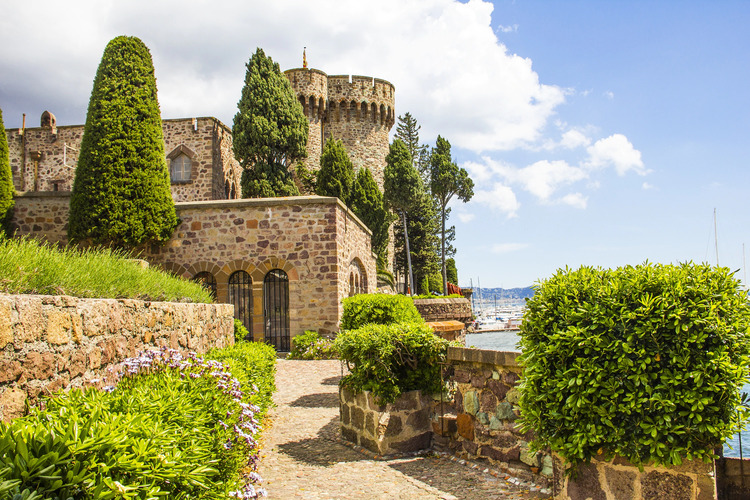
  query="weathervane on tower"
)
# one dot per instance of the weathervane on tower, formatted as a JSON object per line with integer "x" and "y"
{"x": 304, "y": 57}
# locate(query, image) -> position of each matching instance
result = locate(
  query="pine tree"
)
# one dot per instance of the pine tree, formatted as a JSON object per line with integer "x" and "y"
{"x": 403, "y": 187}
{"x": 6, "y": 180}
{"x": 446, "y": 181}
{"x": 336, "y": 174}
{"x": 407, "y": 130}
{"x": 451, "y": 271}
{"x": 422, "y": 228}
{"x": 121, "y": 195}
{"x": 367, "y": 204}
{"x": 270, "y": 130}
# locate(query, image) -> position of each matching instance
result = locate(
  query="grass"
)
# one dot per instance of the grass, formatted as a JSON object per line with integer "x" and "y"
{"x": 28, "y": 266}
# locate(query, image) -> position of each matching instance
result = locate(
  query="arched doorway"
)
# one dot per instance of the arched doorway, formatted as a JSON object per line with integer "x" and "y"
{"x": 241, "y": 296}
{"x": 276, "y": 309}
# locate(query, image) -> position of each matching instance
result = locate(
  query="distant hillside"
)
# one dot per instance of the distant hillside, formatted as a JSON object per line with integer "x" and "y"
{"x": 506, "y": 293}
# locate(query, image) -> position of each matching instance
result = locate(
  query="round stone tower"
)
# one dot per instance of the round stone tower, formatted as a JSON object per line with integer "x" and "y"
{"x": 358, "y": 110}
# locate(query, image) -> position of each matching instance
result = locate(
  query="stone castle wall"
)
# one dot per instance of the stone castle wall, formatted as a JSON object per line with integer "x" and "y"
{"x": 358, "y": 110}
{"x": 313, "y": 239}
{"x": 49, "y": 343}
{"x": 45, "y": 158}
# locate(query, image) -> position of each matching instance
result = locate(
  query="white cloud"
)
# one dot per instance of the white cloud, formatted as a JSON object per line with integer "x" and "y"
{"x": 609, "y": 94}
{"x": 443, "y": 56}
{"x": 617, "y": 151}
{"x": 573, "y": 139}
{"x": 465, "y": 217}
{"x": 507, "y": 29}
{"x": 646, "y": 186}
{"x": 501, "y": 248}
{"x": 500, "y": 198}
{"x": 545, "y": 177}
{"x": 576, "y": 200}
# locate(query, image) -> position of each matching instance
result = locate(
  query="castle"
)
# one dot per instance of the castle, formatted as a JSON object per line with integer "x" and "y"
{"x": 285, "y": 263}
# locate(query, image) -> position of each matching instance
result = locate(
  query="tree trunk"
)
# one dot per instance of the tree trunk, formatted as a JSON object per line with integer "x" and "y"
{"x": 410, "y": 287}
{"x": 442, "y": 256}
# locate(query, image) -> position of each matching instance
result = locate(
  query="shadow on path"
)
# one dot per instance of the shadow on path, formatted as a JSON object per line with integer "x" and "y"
{"x": 322, "y": 450}
{"x": 319, "y": 400}
{"x": 331, "y": 380}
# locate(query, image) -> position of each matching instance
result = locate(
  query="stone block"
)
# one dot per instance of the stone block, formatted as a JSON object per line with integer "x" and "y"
{"x": 6, "y": 322}
{"x": 419, "y": 420}
{"x": 407, "y": 401}
{"x": 470, "y": 447}
{"x": 706, "y": 487}
{"x": 530, "y": 458}
{"x": 547, "y": 466}
{"x": 488, "y": 401}
{"x": 415, "y": 443}
{"x": 465, "y": 426}
{"x": 511, "y": 378}
{"x": 12, "y": 404}
{"x": 504, "y": 411}
{"x": 513, "y": 396}
{"x": 349, "y": 435}
{"x": 389, "y": 425}
{"x": 621, "y": 483}
{"x": 482, "y": 418}
{"x": 586, "y": 485}
{"x": 358, "y": 418}
{"x": 10, "y": 370}
{"x": 370, "y": 423}
{"x": 344, "y": 413}
{"x": 471, "y": 402}
{"x": 445, "y": 425}
{"x": 498, "y": 388}
{"x": 462, "y": 376}
{"x": 59, "y": 325}
{"x": 657, "y": 485}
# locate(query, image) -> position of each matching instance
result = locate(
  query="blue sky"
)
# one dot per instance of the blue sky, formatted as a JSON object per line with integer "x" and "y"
{"x": 598, "y": 133}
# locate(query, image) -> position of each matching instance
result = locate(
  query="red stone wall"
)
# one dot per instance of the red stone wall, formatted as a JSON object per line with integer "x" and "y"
{"x": 50, "y": 343}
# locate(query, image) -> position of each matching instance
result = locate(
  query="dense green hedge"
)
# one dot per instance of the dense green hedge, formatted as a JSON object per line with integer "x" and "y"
{"x": 390, "y": 359}
{"x": 173, "y": 427}
{"x": 310, "y": 345}
{"x": 644, "y": 362}
{"x": 382, "y": 309}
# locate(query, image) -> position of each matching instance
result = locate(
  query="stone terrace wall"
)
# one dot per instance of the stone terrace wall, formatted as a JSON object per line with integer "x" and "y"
{"x": 479, "y": 421}
{"x": 399, "y": 427}
{"x": 53, "y": 342}
{"x": 42, "y": 214}
{"x": 457, "y": 309}
{"x": 693, "y": 480}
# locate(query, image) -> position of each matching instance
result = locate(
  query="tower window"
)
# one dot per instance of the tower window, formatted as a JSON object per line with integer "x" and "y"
{"x": 180, "y": 167}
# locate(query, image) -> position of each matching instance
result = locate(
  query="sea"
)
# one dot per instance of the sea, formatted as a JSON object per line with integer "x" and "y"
{"x": 508, "y": 341}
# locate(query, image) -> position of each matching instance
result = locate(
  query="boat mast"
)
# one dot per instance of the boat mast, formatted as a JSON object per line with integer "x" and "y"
{"x": 716, "y": 239}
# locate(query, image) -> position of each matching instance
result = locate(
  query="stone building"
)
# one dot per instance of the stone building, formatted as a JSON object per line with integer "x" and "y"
{"x": 285, "y": 263}
{"x": 358, "y": 110}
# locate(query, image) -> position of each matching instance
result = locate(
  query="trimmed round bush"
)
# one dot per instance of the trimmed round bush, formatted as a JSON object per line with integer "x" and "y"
{"x": 643, "y": 362}
{"x": 388, "y": 360}
{"x": 382, "y": 309}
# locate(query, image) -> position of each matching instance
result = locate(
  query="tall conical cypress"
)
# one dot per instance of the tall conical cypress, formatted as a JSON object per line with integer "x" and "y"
{"x": 121, "y": 195}
{"x": 6, "y": 178}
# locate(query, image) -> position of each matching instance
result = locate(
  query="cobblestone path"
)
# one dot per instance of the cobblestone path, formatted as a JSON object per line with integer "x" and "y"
{"x": 302, "y": 456}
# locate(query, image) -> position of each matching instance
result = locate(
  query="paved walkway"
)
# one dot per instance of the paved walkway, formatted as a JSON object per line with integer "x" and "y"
{"x": 301, "y": 456}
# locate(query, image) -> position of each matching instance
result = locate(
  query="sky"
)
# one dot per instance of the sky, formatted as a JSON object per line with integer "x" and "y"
{"x": 597, "y": 133}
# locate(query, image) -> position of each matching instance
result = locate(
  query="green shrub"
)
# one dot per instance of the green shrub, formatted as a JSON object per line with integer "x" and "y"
{"x": 121, "y": 193}
{"x": 310, "y": 345}
{"x": 254, "y": 365}
{"x": 173, "y": 427}
{"x": 382, "y": 309}
{"x": 6, "y": 180}
{"x": 644, "y": 362}
{"x": 390, "y": 359}
{"x": 451, "y": 296}
{"x": 240, "y": 332}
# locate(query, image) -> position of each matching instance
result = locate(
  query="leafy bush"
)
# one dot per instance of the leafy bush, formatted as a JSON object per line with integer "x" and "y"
{"x": 30, "y": 266}
{"x": 6, "y": 180}
{"x": 121, "y": 193}
{"x": 254, "y": 365}
{"x": 451, "y": 296}
{"x": 382, "y": 309}
{"x": 173, "y": 427}
{"x": 310, "y": 345}
{"x": 644, "y": 362}
{"x": 390, "y": 359}
{"x": 240, "y": 332}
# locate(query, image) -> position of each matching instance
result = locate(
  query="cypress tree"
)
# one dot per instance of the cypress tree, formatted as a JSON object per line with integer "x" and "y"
{"x": 6, "y": 179}
{"x": 367, "y": 204}
{"x": 336, "y": 174}
{"x": 451, "y": 271}
{"x": 270, "y": 130}
{"x": 121, "y": 195}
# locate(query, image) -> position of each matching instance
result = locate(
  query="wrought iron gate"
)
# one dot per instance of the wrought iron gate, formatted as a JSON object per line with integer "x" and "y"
{"x": 241, "y": 296}
{"x": 207, "y": 281}
{"x": 276, "y": 309}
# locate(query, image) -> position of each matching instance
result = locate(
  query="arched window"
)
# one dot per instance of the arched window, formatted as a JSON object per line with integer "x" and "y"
{"x": 180, "y": 168}
{"x": 207, "y": 281}
{"x": 357, "y": 278}
{"x": 241, "y": 296}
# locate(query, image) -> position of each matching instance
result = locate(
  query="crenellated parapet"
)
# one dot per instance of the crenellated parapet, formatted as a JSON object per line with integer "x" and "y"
{"x": 358, "y": 110}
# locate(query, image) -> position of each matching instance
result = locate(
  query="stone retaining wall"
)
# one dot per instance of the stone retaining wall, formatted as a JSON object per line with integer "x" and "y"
{"x": 53, "y": 342}
{"x": 618, "y": 478}
{"x": 458, "y": 309}
{"x": 399, "y": 427}
{"x": 478, "y": 421}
